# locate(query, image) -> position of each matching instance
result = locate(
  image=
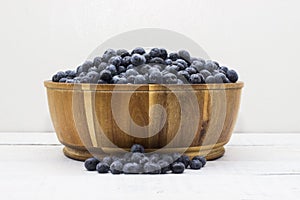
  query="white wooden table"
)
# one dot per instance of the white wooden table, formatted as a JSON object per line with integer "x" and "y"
{"x": 255, "y": 166}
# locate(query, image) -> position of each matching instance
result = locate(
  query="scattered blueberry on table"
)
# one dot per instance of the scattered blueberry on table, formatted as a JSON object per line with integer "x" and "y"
{"x": 138, "y": 162}
{"x": 154, "y": 67}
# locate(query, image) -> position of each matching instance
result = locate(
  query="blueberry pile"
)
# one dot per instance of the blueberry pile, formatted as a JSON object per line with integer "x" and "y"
{"x": 154, "y": 67}
{"x": 137, "y": 162}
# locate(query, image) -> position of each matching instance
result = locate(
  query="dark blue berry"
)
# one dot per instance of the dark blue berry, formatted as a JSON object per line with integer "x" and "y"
{"x": 202, "y": 159}
{"x": 116, "y": 167}
{"x": 123, "y": 53}
{"x": 220, "y": 78}
{"x": 58, "y": 76}
{"x": 63, "y": 80}
{"x": 116, "y": 61}
{"x": 168, "y": 62}
{"x": 177, "y": 168}
{"x": 185, "y": 55}
{"x": 147, "y": 57}
{"x": 137, "y": 59}
{"x": 171, "y": 69}
{"x": 164, "y": 166}
{"x": 182, "y": 62}
{"x": 191, "y": 70}
{"x": 195, "y": 164}
{"x": 205, "y": 73}
{"x": 163, "y": 53}
{"x": 97, "y": 61}
{"x": 107, "y": 159}
{"x": 102, "y": 167}
{"x": 184, "y": 159}
{"x": 210, "y": 66}
{"x": 198, "y": 65}
{"x": 136, "y": 157}
{"x": 224, "y": 69}
{"x": 94, "y": 76}
{"x": 106, "y": 75}
{"x": 151, "y": 168}
{"x": 155, "y": 52}
{"x": 170, "y": 78}
{"x": 138, "y": 50}
{"x": 210, "y": 79}
{"x": 71, "y": 74}
{"x": 173, "y": 56}
{"x": 157, "y": 60}
{"x": 232, "y": 75}
{"x": 156, "y": 77}
{"x": 86, "y": 65}
{"x": 121, "y": 69}
{"x": 196, "y": 79}
{"x": 91, "y": 163}
{"x": 183, "y": 75}
{"x": 137, "y": 148}
{"x": 140, "y": 79}
{"x": 108, "y": 54}
{"x": 131, "y": 168}
{"x": 126, "y": 61}
{"x": 112, "y": 69}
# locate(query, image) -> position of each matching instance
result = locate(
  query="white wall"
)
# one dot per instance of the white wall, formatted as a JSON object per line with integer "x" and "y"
{"x": 258, "y": 38}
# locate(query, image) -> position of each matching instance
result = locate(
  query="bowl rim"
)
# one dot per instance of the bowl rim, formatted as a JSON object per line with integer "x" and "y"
{"x": 141, "y": 87}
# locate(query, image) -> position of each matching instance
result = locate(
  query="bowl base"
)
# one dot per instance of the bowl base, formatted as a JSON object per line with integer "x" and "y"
{"x": 81, "y": 155}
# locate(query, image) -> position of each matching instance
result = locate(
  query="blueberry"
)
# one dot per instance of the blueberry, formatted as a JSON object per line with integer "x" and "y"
{"x": 115, "y": 60}
{"x": 93, "y": 69}
{"x": 210, "y": 79}
{"x": 177, "y": 168}
{"x": 105, "y": 75}
{"x": 82, "y": 74}
{"x": 137, "y": 148}
{"x": 224, "y": 69}
{"x": 151, "y": 168}
{"x": 171, "y": 69}
{"x": 163, "y": 53}
{"x": 116, "y": 167}
{"x": 138, "y": 50}
{"x": 191, "y": 70}
{"x": 126, "y": 61}
{"x": 102, "y": 167}
{"x": 91, "y": 163}
{"x": 122, "y": 81}
{"x": 153, "y": 69}
{"x": 147, "y": 57}
{"x": 168, "y": 62}
{"x": 184, "y": 159}
{"x": 85, "y": 79}
{"x": 183, "y": 75}
{"x": 220, "y": 78}
{"x": 86, "y": 65}
{"x": 131, "y": 168}
{"x": 97, "y": 61}
{"x": 131, "y": 66}
{"x": 182, "y": 62}
{"x": 173, "y": 56}
{"x": 140, "y": 79}
{"x": 102, "y": 66}
{"x": 136, "y": 157}
{"x": 167, "y": 158}
{"x": 144, "y": 160}
{"x": 164, "y": 166}
{"x": 108, "y": 54}
{"x": 94, "y": 76}
{"x": 137, "y": 59}
{"x": 154, "y": 157}
{"x": 157, "y": 60}
{"x": 205, "y": 73}
{"x": 71, "y": 74}
{"x": 210, "y": 66}
{"x": 107, "y": 159}
{"x": 145, "y": 69}
{"x": 121, "y": 69}
{"x": 179, "y": 82}
{"x": 216, "y": 63}
{"x": 127, "y": 156}
{"x": 122, "y": 53}
{"x": 232, "y": 75}
{"x": 58, "y": 76}
{"x": 198, "y": 65}
{"x": 185, "y": 55}
{"x": 112, "y": 69}
{"x": 202, "y": 159}
{"x": 196, "y": 79}
{"x": 79, "y": 70}
{"x": 170, "y": 78}
{"x": 155, "y": 52}
{"x": 70, "y": 81}
{"x": 130, "y": 79}
{"x": 156, "y": 77}
{"x": 157, "y": 66}
{"x": 195, "y": 164}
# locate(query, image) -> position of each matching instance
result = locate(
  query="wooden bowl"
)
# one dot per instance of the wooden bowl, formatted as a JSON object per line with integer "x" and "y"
{"x": 103, "y": 119}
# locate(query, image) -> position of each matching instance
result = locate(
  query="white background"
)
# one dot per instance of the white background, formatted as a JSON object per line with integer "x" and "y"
{"x": 260, "y": 39}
